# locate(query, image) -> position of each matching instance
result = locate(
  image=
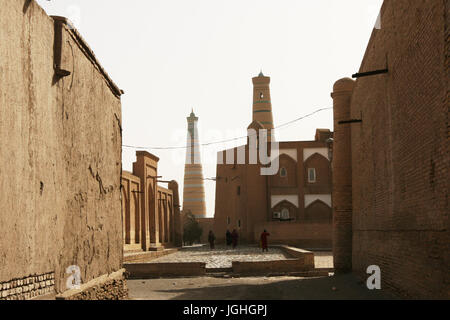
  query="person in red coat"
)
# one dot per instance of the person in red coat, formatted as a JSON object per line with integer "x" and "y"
{"x": 264, "y": 236}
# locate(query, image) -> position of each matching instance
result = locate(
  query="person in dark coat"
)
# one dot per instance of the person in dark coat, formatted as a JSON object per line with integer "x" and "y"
{"x": 234, "y": 238}
{"x": 264, "y": 245}
{"x": 211, "y": 239}
{"x": 228, "y": 238}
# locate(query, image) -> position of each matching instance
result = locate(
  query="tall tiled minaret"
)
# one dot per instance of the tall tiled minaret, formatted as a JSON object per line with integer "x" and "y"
{"x": 262, "y": 105}
{"x": 194, "y": 191}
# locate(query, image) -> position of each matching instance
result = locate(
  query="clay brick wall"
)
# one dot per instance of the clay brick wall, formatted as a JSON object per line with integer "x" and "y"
{"x": 298, "y": 234}
{"x": 400, "y": 152}
{"x": 60, "y": 153}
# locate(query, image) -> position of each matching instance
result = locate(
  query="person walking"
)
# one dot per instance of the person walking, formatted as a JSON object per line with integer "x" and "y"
{"x": 211, "y": 239}
{"x": 264, "y": 245}
{"x": 228, "y": 237}
{"x": 234, "y": 238}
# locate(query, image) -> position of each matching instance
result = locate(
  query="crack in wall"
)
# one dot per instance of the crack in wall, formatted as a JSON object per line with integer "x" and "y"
{"x": 119, "y": 123}
{"x": 98, "y": 178}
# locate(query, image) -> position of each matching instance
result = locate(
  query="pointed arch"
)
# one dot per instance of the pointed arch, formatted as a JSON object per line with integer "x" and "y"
{"x": 322, "y": 168}
{"x": 286, "y": 209}
{"x": 316, "y": 155}
{"x": 318, "y": 211}
{"x": 288, "y": 166}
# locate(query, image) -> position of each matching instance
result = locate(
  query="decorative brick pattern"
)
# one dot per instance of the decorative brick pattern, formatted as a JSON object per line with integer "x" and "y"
{"x": 28, "y": 287}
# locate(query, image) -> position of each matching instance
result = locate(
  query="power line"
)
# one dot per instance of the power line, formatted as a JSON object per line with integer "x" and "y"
{"x": 228, "y": 140}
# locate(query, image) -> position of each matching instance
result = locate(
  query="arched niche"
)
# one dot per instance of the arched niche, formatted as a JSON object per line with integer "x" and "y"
{"x": 318, "y": 211}
{"x": 285, "y": 205}
{"x": 322, "y": 170}
{"x": 288, "y": 166}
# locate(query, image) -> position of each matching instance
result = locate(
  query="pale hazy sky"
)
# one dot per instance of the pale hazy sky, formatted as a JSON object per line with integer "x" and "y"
{"x": 173, "y": 55}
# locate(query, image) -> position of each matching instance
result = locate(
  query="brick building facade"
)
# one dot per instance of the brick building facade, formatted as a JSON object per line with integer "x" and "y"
{"x": 390, "y": 171}
{"x": 293, "y": 204}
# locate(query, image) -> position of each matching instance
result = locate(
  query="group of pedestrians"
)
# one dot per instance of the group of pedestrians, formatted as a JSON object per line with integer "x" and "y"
{"x": 231, "y": 239}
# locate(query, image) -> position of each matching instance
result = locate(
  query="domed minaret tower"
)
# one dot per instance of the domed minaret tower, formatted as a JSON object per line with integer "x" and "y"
{"x": 262, "y": 104}
{"x": 193, "y": 190}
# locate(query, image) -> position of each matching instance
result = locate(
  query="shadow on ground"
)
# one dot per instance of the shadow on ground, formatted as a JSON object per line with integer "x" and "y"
{"x": 276, "y": 288}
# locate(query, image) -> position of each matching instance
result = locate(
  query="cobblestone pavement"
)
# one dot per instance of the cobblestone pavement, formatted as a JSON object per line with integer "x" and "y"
{"x": 222, "y": 256}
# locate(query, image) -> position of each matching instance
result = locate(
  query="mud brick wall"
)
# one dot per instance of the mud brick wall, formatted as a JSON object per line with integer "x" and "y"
{"x": 303, "y": 234}
{"x": 400, "y": 157}
{"x": 60, "y": 152}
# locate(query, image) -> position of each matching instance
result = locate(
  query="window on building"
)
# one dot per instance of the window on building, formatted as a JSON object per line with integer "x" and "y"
{"x": 285, "y": 213}
{"x": 239, "y": 223}
{"x": 261, "y": 95}
{"x": 311, "y": 175}
{"x": 228, "y": 220}
{"x": 239, "y": 190}
{"x": 283, "y": 172}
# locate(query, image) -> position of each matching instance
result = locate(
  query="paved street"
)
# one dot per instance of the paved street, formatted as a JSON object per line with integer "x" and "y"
{"x": 245, "y": 288}
{"x": 253, "y": 288}
{"x": 222, "y": 256}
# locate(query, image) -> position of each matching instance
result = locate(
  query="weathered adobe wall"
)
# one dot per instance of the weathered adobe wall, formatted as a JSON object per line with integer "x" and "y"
{"x": 400, "y": 152}
{"x": 298, "y": 234}
{"x": 60, "y": 155}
